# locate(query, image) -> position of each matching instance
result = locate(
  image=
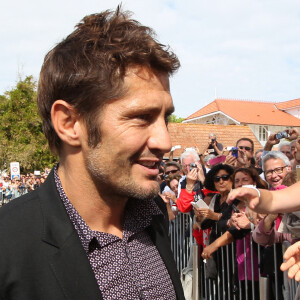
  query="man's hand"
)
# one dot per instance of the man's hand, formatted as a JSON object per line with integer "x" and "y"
{"x": 242, "y": 158}
{"x": 248, "y": 195}
{"x": 293, "y": 133}
{"x": 191, "y": 177}
{"x": 200, "y": 173}
{"x": 271, "y": 141}
{"x": 292, "y": 261}
{"x": 230, "y": 160}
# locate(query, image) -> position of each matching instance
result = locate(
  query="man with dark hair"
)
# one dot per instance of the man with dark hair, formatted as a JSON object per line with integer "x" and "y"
{"x": 171, "y": 167}
{"x": 245, "y": 153}
{"x": 93, "y": 230}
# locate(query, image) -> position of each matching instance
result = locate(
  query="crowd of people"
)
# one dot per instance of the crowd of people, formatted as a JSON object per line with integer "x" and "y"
{"x": 200, "y": 183}
{"x": 19, "y": 185}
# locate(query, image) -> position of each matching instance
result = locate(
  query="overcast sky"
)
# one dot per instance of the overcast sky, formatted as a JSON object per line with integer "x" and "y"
{"x": 237, "y": 49}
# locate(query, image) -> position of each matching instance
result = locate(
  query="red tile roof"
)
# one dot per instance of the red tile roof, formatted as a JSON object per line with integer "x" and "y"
{"x": 288, "y": 104}
{"x": 249, "y": 112}
{"x": 191, "y": 135}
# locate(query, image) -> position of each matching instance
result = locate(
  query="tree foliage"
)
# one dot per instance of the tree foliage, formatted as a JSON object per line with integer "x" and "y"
{"x": 174, "y": 119}
{"x": 21, "y": 133}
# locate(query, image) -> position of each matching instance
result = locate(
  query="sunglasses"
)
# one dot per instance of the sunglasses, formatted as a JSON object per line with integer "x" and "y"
{"x": 245, "y": 147}
{"x": 223, "y": 177}
{"x": 172, "y": 172}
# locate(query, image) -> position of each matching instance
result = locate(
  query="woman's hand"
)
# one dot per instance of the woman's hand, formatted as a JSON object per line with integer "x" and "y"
{"x": 167, "y": 196}
{"x": 207, "y": 213}
{"x": 253, "y": 216}
{"x": 208, "y": 251}
{"x": 240, "y": 221}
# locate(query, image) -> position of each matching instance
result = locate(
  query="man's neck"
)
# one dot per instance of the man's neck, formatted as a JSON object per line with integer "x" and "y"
{"x": 97, "y": 212}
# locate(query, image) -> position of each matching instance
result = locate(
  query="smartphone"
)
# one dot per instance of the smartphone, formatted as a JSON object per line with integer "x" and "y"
{"x": 235, "y": 209}
{"x": 217, "y": 160}
{"x": 234, "y": 152}
{"x": 281, "y": 135}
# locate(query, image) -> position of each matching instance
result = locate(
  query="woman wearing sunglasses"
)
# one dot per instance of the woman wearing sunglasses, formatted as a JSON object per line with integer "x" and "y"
{"x": 219, "y": 179}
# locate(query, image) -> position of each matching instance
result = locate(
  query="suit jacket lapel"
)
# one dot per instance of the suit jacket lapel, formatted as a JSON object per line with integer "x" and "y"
{"x": 73, "y": 271}
{"x": 67, "y": 257}
{"x": 161, "y": 241}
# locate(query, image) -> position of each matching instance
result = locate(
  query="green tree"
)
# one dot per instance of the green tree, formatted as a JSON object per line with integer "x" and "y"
{"x": 174, "y": 119}
{"x": 21, "y": 133}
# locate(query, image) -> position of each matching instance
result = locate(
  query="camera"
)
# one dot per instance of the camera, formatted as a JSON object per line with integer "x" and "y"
{"x": 281, "y": 135}
{"x": 213, "y": 141}
{"x": 193, "y": 166}
{"x": 234, "y": 152}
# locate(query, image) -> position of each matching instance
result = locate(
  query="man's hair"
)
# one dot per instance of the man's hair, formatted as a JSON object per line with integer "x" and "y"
{"x": 212, "y": 134}
{"x": 258, "y": 151}
{"x": 173, "y": 164}
{"x": 87, "y": 69}
{"x": 283, "y": 144}
{"x": 208, "y": 157}
{"x": 246, "y": 139}
{"x": 275, "y": 155}
{"x": 188, "y": 153}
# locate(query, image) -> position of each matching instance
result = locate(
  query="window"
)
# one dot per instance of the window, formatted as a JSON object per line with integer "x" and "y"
{"x": 263, "y": 133}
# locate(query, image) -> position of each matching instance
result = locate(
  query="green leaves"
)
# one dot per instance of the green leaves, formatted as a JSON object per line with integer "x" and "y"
{"x": 21, "y": 133}
{"x": 174, "y": 119}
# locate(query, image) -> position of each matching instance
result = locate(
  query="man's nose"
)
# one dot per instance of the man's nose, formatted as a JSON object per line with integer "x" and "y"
{"x": 159, "y": 138}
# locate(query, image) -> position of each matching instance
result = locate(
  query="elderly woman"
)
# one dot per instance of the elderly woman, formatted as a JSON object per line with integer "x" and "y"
{"x": 218, "y": 179}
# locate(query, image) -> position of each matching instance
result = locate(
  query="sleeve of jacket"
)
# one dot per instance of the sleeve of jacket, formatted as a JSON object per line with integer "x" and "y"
{"x": 238, "y": 234}
{"x": 266, "y": 239}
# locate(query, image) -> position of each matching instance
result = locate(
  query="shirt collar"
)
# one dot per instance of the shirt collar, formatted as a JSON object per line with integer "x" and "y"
{"x": 138, "y": 216}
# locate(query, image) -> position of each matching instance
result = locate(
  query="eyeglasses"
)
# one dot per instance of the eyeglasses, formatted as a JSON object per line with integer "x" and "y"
{"x": 277, "y": 171}
{"x": 172, "y": 172}
{"x": 245, "y": 147}
{"x": 223, "y": 177}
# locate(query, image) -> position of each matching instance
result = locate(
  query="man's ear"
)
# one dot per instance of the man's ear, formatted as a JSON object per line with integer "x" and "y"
{"x": 66, "y": 122}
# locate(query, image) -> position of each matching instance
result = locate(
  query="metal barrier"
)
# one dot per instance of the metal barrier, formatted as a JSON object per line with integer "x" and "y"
{"x": 227, "y": 285}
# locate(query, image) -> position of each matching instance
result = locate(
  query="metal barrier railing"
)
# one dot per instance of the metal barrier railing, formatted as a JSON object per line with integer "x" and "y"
{"x": 185, "y": 252}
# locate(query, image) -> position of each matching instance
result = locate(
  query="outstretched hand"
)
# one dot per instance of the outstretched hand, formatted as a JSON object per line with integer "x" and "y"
{"x": 248, "y": 195}
{"x": 292, "y": 261}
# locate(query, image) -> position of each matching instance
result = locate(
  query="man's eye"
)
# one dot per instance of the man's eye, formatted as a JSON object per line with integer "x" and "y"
{"x": 144, "y": 117}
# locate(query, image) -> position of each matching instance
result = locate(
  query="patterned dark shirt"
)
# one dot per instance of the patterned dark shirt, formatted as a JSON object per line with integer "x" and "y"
{"x": 128, "y": 268}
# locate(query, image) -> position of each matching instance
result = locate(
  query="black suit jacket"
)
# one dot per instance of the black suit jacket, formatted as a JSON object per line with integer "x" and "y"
{"x": 41, "y": 256}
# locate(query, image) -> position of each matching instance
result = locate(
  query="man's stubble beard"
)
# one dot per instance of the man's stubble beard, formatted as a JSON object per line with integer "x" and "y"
{"x": 117, "y": 181}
